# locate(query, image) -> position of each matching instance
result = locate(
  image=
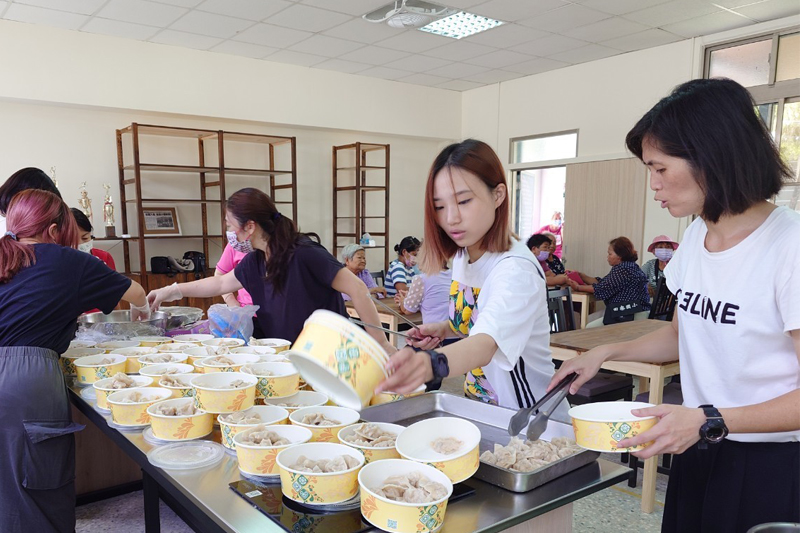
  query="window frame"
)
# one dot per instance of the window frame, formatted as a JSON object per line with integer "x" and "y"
{"x": 513, "y": 140}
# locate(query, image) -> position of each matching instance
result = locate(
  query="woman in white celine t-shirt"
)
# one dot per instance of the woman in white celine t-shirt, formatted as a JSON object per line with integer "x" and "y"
{"x": 497, "y": 294}
{"x": 736, "y": 329}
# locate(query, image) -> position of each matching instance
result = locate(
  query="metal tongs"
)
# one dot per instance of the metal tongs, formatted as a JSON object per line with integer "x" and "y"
{"x": 389, "y": 331}
{"x": 395, "y": 313}
{"x": 539, "y": 423}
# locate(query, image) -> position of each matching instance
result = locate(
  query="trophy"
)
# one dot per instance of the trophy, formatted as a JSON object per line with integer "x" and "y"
{"x": 53, "y": 176}
{"x": 85, "y": 203}
{"x": 108, "y": 213}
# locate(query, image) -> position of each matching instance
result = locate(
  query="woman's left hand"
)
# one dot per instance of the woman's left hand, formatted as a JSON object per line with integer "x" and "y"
{"x": 408, "y": 370}
{"x": 678, "y": 429}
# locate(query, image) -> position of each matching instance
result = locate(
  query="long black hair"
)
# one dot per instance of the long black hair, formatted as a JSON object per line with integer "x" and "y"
{"x": 24, "y": 179}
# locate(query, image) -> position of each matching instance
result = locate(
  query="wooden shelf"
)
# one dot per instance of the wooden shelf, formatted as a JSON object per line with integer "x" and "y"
{"x": 363, "y": 188}
{"x": 173, "y": 201}
{"x": 173, "y": 131}
{"x": 148, "y": 237}
{"x": 154, "y": 167}
{"x": 364, "y": 167}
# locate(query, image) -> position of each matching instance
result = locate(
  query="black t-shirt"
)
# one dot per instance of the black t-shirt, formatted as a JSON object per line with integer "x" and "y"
{"x": 307, "y": 288}
{"x": 40, "y": 305}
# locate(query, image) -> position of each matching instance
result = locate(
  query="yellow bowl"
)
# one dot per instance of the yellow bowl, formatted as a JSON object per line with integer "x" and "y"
{"x": 214, "y": 395}
{"x": 134, "y": 414}
{"x": 316, "y": 489}
{"x": 274, "y": 379}
{"x": 159, "y": 369}
{"x": 113, "y": 346}
{"x": 372, "y": 453}
{"x": 386, "y": 397}
{"x": 218, "y": 342}
{"x": 182, "y": 427}
{"x": 416, "y": 444}
{"x": 193, "y": 338}
{"x": 269, "y": 415}
{"x": 68, "y": 358}
{"x": 178, "y": 392}
{"x": 90, "y": 368}
{"x": 298, "y": 400}
{"x": 279, "y": 345}
{"x": 254, "y": 350}
{"x": 600, "y": 426}
{"x": 82, "y": 344}
{"x": 209, "y": 366}
{"x": 152, "y": 341}
{"x": 102, "y": 391}
{"x": 175, "y": 347}
{"x": 161, "y": 358}
{"x": 338, "y": 358}
{"x": 260, "y": 460}
{"x": 133, "y": 354}
{"x": 196, "y": 354}
{"x": 401, "y": 517}
{"x": 345, "y": 416}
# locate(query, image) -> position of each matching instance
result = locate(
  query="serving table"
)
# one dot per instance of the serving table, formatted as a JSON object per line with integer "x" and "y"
{"x": 387, "y": 318}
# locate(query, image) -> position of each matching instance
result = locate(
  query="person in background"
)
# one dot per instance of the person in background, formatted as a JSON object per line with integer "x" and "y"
{"x": 401, "y": 270}
{"x": 624, "y": 283}
{"x": 553, "y": 261}
{"x": 25, "y": 178}
{"x": 556, "y": 227}
{"x": 85, "y": 238}
{"x": 429, "y": 294}
{"x": 227, "y": 262}
{"x": 355, "y": 259}
{"x": 539, "y": 245}
{"x": 663, "y": 248}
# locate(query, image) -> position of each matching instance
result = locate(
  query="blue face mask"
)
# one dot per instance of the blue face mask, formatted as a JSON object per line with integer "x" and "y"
{"x": 244, "y": 247}
{"x": 663, "y": 254}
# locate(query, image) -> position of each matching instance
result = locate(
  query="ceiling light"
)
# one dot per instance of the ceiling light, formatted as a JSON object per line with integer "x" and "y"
{"x": 460, "y": 25}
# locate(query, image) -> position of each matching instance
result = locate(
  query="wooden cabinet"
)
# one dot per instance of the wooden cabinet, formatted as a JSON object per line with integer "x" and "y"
{"x": 156, "y": 281}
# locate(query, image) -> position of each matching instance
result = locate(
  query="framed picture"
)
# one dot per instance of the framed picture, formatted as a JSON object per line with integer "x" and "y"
{"x": 161, "y": 221}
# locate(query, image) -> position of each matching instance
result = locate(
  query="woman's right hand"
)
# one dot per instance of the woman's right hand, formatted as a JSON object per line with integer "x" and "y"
{"x": 586, "y": 366}
{"x": 428, "y": 336}
{"x": 165, "y": 294}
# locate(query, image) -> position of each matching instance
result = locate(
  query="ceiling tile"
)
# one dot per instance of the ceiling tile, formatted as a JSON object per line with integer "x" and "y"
{"x": 180, "y": 3}
{"x": 505, "y": 36}
{"x": 535, "y": 66}
{"x": 423, "y": 79}
{"x": 362, "y": 31}
{"x": 81, "y": 7}
{"x": 383, "y": 72}
{"x": 493, "y": 76}
{"x": 374, "y": 55}
{"x": 245, "y": 9}
{"x": 211, "y": 24}
{"x": 46, "y": 17}
{"x": 351, "y": 7}
{"x": 773, "y": 9}
{"x": 418, "y": 63}
{"x": 460, "y": 50}
{"x": 550, "y": 45}
{"x": 671, "y": 12}
{"x": 461, "y": 4}
{"x": 585, "y": 54}
{"x": 460, "y": 85}
{"x": 187, "y": 40}
{"x": 605, "y": 30}
{"x": 642, "y": 40}
{"x": 565, "y": 18}
{"x": 458, "y": 70}
{"x": 117, "y": 28}
{"x": 274, "y": 36}
{"x": 244, "y": 49}
{"x": 325, "y": 46}
{"x": 498, "y": 59}
{"x": 733, "y": 4}
{"x": 340, "y": 65}
{"x": 296, "y": 58}
{"x": 299, "y": 17}
{"x": 513, "y": 10}
{"x": 141, "y": 12}
{"x": 414, "y": 41}
{"x": 620, "y": 7}
{"x": 708, "y": 24}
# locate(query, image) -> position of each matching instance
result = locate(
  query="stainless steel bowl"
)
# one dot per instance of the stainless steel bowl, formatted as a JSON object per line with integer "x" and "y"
{"x": 776, "y": 527}
{"x": 180, "y": 316}
{"x": 117, "y": 324}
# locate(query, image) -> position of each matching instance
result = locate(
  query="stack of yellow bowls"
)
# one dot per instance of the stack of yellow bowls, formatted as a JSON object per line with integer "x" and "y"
{"x": 102, "y": 389}
{"x": 125, "y": 413}
{"x": 181, "y": 427}
{"x": 315, "y": 489}
{"x": 268, "y": 415}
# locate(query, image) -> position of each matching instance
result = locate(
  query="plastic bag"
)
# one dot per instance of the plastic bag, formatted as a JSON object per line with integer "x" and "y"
{"x": 232, "y": 322}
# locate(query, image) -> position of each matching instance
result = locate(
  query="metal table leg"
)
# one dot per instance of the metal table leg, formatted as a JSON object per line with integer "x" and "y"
{"x": 152, "y": 520}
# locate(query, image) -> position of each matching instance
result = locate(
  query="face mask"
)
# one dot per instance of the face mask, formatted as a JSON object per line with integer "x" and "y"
{"x": 663, "y": 254}
{"x": 412, "y": 260}
{"x": 543, "y": 255}
{"x": 556, "y": 223}
{"x": 244, "y": 247}
{"x": 85, "y": 247}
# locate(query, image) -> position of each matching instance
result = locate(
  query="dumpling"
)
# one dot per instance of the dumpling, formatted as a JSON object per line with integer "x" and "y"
{"x": 237, "y": 384}
{"x": 411, "y": 488}
{"x": 120, "y": 380}
{"x": 261, "y": 436}
{"x": 527, "y": 456}
{"x": 137, "y": 397}
{"x": 172, "y": 381}
{"x": 372, "y": 436}
{"x": 318, "y": 419}
{"x": 446, "y": 445}
{"x": 187, "y": 409}
{"x": 247, "y": 369}
{"x": 221, "y": 360}
{"x": 241, "y": 417}
{"x": 337, "y": 464}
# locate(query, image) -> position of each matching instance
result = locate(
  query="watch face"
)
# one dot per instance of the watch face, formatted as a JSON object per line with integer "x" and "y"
{"x": 714, "y": 431}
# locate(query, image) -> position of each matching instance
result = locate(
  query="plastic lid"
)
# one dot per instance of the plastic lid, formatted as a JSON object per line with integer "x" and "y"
{"x": 186, "y": 455}
{"x": 89, "y": 394}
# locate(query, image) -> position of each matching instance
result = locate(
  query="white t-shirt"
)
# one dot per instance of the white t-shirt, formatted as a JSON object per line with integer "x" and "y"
{"x": 504, "y": 295}
{"x": 735, "y": 311}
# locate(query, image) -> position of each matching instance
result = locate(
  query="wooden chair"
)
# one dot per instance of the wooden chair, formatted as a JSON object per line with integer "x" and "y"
{"x": 379, "y": 277}
{"x": 663, "y": 302}
{"x": 561, "y": 316}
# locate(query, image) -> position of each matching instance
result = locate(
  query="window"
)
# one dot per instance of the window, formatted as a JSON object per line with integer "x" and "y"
{"x": 747, "y": 64}
{"x": 540, "y": 193}
{"x": 550, "y": 147}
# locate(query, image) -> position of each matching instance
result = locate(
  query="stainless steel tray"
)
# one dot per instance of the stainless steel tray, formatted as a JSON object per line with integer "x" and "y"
{"x": 493, "y": 423}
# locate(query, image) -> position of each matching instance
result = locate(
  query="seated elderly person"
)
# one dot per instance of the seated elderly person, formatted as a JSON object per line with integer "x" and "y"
{"x": 356, "y": 261}
{"x": 539, "y": 245}
{"x": 662, "y": 247}
{"x": 553, "y": 261}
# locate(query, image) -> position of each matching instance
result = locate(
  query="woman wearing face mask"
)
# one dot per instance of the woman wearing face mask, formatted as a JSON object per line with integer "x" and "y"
{"x": 401, "y": 270}
{"x": 556, "y": 227}
{"x": 85, "y": 238}
{"x": 539, "y": 245}
{"x": 497, "y": 305}
{"x": 21, "y": 180}
{"x": 662, "y": 247}
{"x": 288, "y": 275}
{"x": 553, "y": 262}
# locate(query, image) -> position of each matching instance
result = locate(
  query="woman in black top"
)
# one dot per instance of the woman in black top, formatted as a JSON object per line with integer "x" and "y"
{"x": 288, "y": 274}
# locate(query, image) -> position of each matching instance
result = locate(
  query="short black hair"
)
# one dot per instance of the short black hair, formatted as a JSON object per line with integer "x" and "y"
{"x": 22, "y": 180}
{"x": 538, "y": 240}
{"x": 712, "y": 124}
{"x": 410, "y": 244}
{"x": 81, "y": 219}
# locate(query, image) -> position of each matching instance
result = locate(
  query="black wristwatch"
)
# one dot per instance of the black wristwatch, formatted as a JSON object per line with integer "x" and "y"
{"x": 714, "y": 430}
{"x": 440, "y": 367}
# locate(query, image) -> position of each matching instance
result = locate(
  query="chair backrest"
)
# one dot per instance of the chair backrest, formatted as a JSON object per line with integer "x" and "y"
{"x": 379, "y": 277}
{"x": 559, "y": 308}
{"x": 663, "y": 302}
{"x": 621, "y": 312}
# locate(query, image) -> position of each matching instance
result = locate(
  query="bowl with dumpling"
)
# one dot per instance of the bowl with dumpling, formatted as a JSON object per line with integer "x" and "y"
{"x": 68, "y": 358}
{"x": 448, "y": 444}
{"x": 133, "y": 353}
{"x": 404, "y": 496}
{"x": 113, "y": 346}
{"x": 179, "y": 384}
{"x": 179, "y": 419}
{"x": 77, "y": 343}
{"x": 129, "y": 407}
{"x": 254, "y": 350}
{"x": 198, "y": 353}
{"x": 224, "y": 392}
{"x": 274, "y": 379}
{"x": 600, "y": 426}
{"x": 161, "y": 358}
{"x": 175, "y": 347}
{"x": 257, "y": 447}
{"x": 232, "y": 423}
{"x": 160, "y": 369}
{"x": 376, "y": 440}
{"x": 152, "y": 340}
{"x": 319, "y": 473}
{"x": 93, "y": 368}
{"x": 324, "y": 421}
{"x": 118, "y": 381}
{"x": 298, "y": 400}
{"x": 226, "y": 363}
{"x": 195, "y": 339}
{"x": 279, "y": 345}
{"x": 386, "y": 397}
{"x": 223, "y": 342}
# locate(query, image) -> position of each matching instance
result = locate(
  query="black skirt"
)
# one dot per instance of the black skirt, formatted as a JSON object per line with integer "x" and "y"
{"x": 733, "y": 486}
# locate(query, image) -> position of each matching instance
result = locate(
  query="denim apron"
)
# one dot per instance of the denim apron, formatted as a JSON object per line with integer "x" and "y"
{"x": 37, "y": 445}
